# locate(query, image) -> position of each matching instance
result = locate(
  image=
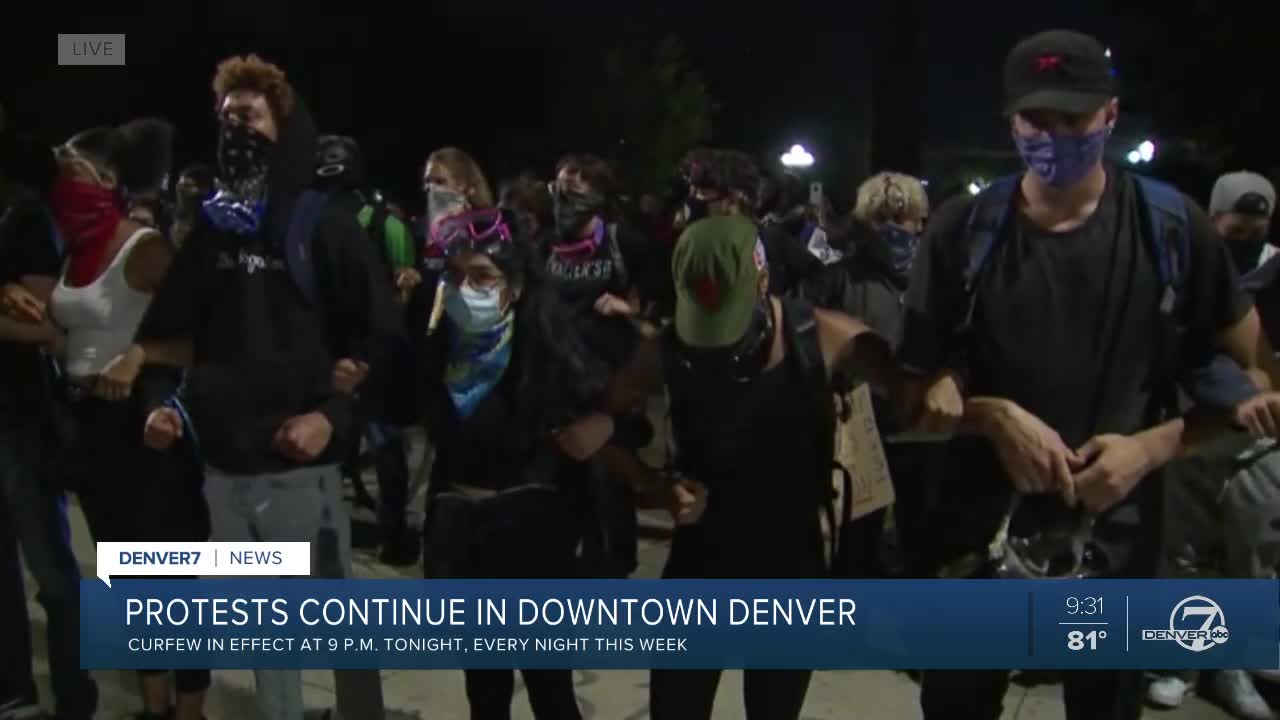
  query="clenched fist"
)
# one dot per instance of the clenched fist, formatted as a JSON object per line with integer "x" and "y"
{"x": 163, "y": 428}
{"x": 304, "y": 437}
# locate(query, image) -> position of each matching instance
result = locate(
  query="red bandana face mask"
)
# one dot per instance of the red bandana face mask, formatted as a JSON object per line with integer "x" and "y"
{"x": 88, "y": 215}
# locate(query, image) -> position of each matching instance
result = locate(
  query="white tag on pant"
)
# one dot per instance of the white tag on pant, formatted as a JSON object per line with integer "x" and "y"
{"x": 202, "y": 559}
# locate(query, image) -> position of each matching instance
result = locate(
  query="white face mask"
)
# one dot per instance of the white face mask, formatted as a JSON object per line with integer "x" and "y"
{"x": 443, "y": 202}
{"x": 473, "y": 310}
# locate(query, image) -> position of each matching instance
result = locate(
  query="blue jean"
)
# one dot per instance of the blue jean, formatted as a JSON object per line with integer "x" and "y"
{"x": 34, "y": 518}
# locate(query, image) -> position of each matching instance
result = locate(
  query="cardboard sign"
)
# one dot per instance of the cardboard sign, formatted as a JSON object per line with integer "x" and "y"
{"x": 859, "y": 450}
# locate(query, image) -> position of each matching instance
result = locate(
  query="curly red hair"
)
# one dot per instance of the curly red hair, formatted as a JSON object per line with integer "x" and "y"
{"x": 250, "y": 72}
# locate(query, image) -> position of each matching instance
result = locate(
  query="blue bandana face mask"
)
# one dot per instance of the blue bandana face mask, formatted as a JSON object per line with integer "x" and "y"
{"x": 481, "y": 350}
{"x": 1061, "y": 160}
{"x": 897, "y": 247}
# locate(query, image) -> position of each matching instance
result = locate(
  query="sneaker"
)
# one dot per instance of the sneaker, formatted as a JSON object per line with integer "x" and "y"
{"x": 1235, "y": 690}
{"x": 1168, "y": 692}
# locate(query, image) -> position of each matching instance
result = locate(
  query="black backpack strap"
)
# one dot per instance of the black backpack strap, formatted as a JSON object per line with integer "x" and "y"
{"x": 982, "y": 231}
{"x": 299, "y": 242}
{"x": 1168, "y": 234}
{"x": 800, "y": 332}
{"x": 621, "y": 278}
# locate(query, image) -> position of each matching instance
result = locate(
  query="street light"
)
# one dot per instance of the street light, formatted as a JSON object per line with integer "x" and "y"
{"x": 1134, "y": 157}
{"x": 797, "y": 157}
{"x": 1147, "y": 150}
{"x": 974, "y": 187}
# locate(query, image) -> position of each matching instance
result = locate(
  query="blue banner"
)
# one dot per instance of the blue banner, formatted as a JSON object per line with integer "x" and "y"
{"x": 642, "y": 624}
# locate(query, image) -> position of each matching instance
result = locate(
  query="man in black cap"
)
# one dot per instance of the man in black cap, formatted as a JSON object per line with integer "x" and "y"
{"x": 1063, "y": 307}
{"x": 1241, "y": 207}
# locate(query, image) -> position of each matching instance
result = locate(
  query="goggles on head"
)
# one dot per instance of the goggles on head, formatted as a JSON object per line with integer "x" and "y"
{"x": 483, "y": 231}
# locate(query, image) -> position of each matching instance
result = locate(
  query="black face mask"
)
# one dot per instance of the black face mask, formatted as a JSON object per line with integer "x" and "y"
{"x": 1246, "y": 252}
{"x": 573, "y": 210}
{"x": 244, "y": 158}
{"x": 244, "y": 154}
{"x": 741, "y": 362}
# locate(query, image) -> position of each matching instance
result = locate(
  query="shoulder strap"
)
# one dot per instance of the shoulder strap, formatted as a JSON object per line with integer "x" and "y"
{"x": 800, "y": 331}
{"x": 299, "y": 241}
{"x": 621, "y": 280}
{"x": 982, "y": 231}
{"x": 1169, "y": 232}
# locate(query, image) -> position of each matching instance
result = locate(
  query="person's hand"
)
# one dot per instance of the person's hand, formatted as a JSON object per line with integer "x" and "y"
{"x": 1113, "y": 465}
{"x": 348, "y": 374}
{"x": 304, "y": 437}
{"x": 18, "y": 302}
{"x": 688, "y": 501}
{"x": 115, "y": 382}
{"x": 163, "y": 428}
{"x": 1260, "y": 415}
{"x": 1033, "y": 454}
{"x": 406, "y": 279}
{"x": 609, "y": 304}
{"x": 942, "y": 408}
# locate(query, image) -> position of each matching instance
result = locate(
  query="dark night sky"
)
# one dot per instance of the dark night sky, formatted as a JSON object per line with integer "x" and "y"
{"x": 452, "y": 73}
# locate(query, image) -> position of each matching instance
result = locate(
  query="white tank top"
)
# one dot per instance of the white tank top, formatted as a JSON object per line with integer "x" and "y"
{"x": 101, "y": 317}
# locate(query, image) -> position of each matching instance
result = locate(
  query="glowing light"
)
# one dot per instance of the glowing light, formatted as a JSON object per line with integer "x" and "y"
{"x": 797, "y": 157}
{"x": 1134, "y": 157}
{"x": 1147, "y": 150}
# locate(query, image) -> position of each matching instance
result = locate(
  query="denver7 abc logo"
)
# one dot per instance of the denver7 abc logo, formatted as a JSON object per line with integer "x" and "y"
{"x": 1196, "y": 623}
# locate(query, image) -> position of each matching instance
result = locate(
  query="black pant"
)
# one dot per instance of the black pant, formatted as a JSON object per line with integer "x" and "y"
{"x": 523, "y": 533}
{"x": 690, "y": 694}
{"x": 979, "y": 694}
{"x": 551, "y": 695}
{"x": 138, "y": 494}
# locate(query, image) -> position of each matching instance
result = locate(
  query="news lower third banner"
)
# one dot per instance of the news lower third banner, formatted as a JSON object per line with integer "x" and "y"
{"x": 222, "y": 623}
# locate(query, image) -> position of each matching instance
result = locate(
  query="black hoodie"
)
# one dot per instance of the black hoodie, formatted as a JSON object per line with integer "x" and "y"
{"x": 263, "y": 351}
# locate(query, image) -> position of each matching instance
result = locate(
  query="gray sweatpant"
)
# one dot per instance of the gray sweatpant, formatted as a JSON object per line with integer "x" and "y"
{"x": 303, "y": 505}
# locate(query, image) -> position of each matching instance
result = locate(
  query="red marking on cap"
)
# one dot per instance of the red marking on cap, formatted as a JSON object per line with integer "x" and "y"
{"x": 1045, "y": 63}
{"x": 706, "y": 291}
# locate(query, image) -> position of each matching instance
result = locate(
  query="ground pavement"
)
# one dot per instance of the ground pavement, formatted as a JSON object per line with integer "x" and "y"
{"x": 609, "y": 695}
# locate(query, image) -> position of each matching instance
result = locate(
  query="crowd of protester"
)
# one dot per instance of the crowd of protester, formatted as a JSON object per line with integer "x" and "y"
{"x": 219, "y": 357}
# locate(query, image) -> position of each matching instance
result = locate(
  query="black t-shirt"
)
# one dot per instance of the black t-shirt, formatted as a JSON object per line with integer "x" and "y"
{"x": 1067, "y": 326}
{"x": 27, "y": 247}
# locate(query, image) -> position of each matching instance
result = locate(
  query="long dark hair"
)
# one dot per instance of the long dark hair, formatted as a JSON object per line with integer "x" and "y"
{"x": 139, "y": 153}
{"x": 559, "y": 377}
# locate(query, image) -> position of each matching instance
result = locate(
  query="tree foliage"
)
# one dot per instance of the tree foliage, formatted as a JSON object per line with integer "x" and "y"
{"x": 642, "y": 108}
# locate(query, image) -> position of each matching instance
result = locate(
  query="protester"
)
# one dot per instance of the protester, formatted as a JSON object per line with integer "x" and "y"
{"x": 508, "y": 389}
{"x": 871, "y": 284}
{"x": 1058, "y": 327}
{"x": 1241, "y": 207}
{"x": 596, "y": 260}
{"x": 33, "y": 510}
{"x": 725, "y": 182}
{"x": 340, "y": 171}
{"x": 194, "y": 186}
{"x": 750, "y": 379}
{"x": 529, "y": 198}
{"x": 1215, "y": 491}
{"x": 149, "y": 210}
{"x": 271, "y": 293}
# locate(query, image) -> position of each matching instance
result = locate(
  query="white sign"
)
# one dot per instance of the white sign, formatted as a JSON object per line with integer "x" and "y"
{"x": 858, "y": 450}
{"x": 202, "y": 559}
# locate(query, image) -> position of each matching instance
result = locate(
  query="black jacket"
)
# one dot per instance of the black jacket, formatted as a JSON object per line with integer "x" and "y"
{"x": 264, "y": 351}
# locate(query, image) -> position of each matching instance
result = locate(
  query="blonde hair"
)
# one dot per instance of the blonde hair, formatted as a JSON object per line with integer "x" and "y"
{"x": 891, "y": 196}
{"x": 466, "y": 172}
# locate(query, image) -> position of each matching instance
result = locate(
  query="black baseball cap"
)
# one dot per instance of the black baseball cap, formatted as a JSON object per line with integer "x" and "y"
{"x": 1058, "y": 70}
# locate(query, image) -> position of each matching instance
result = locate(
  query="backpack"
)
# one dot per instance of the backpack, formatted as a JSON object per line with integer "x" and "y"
{"x": 800, "y": 333}
{"x": 1167, "y": 230}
